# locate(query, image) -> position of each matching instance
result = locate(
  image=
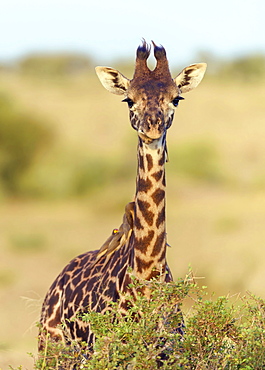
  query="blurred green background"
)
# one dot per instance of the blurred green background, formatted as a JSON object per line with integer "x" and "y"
{"x": 68, "y": 152}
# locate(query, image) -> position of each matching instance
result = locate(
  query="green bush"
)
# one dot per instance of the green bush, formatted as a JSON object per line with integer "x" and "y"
{"x": 56, "y": 64}
{"x": 219, "y": 334}
{"x": 21, "y": 137}
{"x": 136, "y": 339}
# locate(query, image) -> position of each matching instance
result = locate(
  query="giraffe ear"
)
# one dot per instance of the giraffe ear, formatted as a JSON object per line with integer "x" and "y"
{"x": 190, "y": 77}
{"x": 113, "y": 80}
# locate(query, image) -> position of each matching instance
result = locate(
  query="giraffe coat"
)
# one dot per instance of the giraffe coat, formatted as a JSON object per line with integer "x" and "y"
{"x": 93, "y": 279}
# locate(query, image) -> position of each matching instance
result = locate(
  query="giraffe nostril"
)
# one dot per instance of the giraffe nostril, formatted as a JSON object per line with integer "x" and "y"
{"x": 153, "y": 121}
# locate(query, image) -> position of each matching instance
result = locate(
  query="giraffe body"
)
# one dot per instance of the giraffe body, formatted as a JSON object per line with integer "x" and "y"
{"x": 83, "y": 285}
{"x": 138, "y": 247}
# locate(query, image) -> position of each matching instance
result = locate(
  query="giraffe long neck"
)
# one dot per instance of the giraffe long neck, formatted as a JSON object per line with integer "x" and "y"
{"x": 149, "y": 226}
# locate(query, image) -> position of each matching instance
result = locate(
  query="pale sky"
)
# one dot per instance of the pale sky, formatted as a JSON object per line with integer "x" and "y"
{"x": 112, "y": 29}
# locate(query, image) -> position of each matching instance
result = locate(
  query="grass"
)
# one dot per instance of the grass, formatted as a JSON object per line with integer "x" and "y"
{"x": 217, "y": 227}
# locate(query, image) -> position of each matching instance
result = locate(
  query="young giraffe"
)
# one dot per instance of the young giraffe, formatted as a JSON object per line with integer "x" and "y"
{"x": 138, "y": 247}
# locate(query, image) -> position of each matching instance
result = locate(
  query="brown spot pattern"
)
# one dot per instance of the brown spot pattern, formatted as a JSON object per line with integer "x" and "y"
{"x": 157, "y": 175}
{"x": 159, "y": 244}
{"x": 158, "y": 195}
{"x": 137, "y": 223}
{"x": 147, "y": 214}
{"x": 142, "y": 243}
{"x": 161, "y": 161}
{"x": 144, "y": 185}
{"x": 161, "y": 217}
{"x": 143, "y": 265}
{"x": 149, "y": 162}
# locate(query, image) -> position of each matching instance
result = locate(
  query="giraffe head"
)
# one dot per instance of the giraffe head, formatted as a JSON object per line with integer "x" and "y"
{"x": 152, "y": 95}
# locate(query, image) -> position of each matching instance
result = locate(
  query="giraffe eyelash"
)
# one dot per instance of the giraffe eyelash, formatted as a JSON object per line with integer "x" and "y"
{"x": 175, "y": 101}
{"x": 129, "y": 102}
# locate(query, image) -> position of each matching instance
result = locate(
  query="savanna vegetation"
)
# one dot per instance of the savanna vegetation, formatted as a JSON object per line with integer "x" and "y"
{"x": 222, "y": 333}
{"x": 67, "y": 168}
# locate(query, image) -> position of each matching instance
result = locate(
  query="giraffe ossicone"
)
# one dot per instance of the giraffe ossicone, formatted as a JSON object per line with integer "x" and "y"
{"x": 93, "y": 279}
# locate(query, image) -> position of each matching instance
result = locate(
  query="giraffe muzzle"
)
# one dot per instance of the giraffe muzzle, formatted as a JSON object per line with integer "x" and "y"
{"x": 151, "y": 129}
{"x": 149, "y": 138}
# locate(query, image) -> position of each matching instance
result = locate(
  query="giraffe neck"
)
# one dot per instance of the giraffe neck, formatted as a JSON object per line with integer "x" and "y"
{"x": 149, "y": 228}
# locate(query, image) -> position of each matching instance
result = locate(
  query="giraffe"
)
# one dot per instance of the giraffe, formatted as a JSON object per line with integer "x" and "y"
{"x": 138, "y": 247}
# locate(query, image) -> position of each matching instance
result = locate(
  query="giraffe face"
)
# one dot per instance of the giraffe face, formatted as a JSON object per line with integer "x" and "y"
{"x": 152, "y": 105}
{"x": 152, "y": 95}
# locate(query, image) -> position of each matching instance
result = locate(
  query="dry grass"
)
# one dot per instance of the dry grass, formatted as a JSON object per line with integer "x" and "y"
{"x": 218, "y": 229}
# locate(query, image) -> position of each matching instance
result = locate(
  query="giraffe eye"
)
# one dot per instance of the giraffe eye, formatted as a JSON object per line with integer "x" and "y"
{"x": 129, "y": 102}
{"x": 175, "y": 101}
